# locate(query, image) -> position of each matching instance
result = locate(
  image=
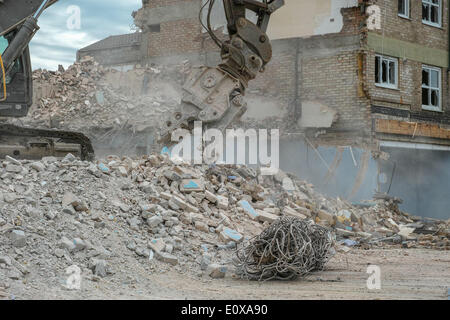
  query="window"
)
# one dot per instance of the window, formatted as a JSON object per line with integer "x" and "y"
{"x": 3, "y": 44}
{"x": 431, "y": 88}
{"x": 16, "y": 67}
{"x": 386, "y": 72}
{"x": 431, "y": 12}
{"x": 155, "y": 28}
{"x": 403, "y": 8}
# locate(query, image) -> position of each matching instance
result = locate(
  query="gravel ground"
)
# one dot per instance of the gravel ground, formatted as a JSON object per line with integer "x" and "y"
{"x": 405, "y": 274}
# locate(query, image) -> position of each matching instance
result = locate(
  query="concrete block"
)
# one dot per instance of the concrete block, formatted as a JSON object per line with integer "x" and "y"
{"x": 210, "y": 196}
{"x": 265, "y": 216}
{"x": 154, "y": 221}
{"x": 18, "y": 238}
{"x": 216, "y": 271}
{"x": 192, "y": 185}
{"x": 167, "y": 258}
{"x": 228, "y": 234}
{"x": 222, "y": 202}
{"x": 157, "y": 245}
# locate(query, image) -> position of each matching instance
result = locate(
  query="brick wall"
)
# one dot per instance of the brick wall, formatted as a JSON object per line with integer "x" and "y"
{"x": 174, "y": 39}
{"x": 162, "y": 3}
{"x": 412, "y": 29}
{"x": 409, "y": 93}
{"x": 333, "y": 81}
{"x": 353, "y": 20}
{"x": 279, "y": 79}
{"x": 114, "y": 56}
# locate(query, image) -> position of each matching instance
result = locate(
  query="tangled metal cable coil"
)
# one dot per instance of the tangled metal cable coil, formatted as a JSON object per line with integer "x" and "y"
{"x": 287, "y": 249}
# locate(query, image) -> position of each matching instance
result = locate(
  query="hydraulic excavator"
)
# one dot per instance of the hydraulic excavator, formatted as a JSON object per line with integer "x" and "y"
{"x": 212, "y": 95}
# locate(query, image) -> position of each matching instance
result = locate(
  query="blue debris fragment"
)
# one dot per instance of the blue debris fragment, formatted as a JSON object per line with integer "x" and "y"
{"x": 191, "y": 185}
{"x": 103, "y": 168}
{"x": 100, "y": 97}
{"x": 350, "y": 243}
{"x": 233, "y": 234}
{"x": 248, "y": 208}
{"x": 165, "y": 150}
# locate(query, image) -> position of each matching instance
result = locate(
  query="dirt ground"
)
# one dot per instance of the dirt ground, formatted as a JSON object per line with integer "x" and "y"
{"x": 405, "y": 274}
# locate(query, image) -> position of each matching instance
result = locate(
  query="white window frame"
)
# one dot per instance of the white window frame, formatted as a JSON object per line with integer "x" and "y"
{"x": 439, "y": 5}
{"x": 428, "y": 107}
{"x": 406, "y": 3}
{"x": 389, "y": 59}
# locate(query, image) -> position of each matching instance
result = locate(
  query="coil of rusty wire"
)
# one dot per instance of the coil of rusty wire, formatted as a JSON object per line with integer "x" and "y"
{"x": 289, "y": 248}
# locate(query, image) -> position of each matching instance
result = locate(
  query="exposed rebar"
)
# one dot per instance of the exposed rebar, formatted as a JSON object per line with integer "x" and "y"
{"x": 287, "y": 249}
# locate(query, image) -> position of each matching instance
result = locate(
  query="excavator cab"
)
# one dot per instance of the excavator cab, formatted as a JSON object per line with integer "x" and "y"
{"x": 17, "y": 84}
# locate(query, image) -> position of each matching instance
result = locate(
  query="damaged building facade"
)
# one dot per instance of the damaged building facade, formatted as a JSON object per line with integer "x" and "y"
{"x": 120, "y": 51}
{"x": 358, "y": 88}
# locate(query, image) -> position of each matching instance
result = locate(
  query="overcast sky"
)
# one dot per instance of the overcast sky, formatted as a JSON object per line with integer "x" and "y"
{"x": 56, "y": 43}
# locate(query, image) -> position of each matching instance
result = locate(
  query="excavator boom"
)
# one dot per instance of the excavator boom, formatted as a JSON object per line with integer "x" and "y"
{"x": 13, "y": 13}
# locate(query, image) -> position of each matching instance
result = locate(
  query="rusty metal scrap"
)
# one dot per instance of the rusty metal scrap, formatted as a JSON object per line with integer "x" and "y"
{"x": 287, "y": 249}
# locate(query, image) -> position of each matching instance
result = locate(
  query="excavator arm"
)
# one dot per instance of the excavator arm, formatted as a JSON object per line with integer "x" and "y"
{"x": 18, "y": 25}
{"x": 19, "y": 17}
{"x": 214, "y": 95}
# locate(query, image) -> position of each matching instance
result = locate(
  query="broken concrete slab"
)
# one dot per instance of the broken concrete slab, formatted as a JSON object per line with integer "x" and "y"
{"x": 70, "y": 199}
{"x": 248, "y": 209}
{"x": 12, "y": 168}
{"x": 216, "y": 271}
{"x": 264, "y": 216}
{"x": 18, "y": 238}
{"x": 228, "y": 234}
{"x": 222, "y": 202}
{"x": 167, "y": 258}
{"x": 291, "y": 212}
{"x": 157, "y": 245}
{"x": 192, "y": 185}
{"x": 210, "y": 196}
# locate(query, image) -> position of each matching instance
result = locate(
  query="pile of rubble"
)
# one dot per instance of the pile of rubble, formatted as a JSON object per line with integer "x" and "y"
{"x": 113, "y": 108}
{"x": 98, "y": 216}
{"x": 89, "y": 95}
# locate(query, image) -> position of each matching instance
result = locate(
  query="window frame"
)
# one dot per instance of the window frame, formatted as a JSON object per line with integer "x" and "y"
{"x": 390, "y": 59}
{"x": 407, "y": 9}
{"x": 429, "y": 23}
{"x": 4, "y": 43}
{"x": 429, "y": 87}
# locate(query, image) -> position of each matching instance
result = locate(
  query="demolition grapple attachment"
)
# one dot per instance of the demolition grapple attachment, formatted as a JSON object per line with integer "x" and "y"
{"x": 215, "y": 95}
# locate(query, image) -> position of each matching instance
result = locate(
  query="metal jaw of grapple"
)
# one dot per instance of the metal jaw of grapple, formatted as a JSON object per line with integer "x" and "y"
{"x": 210, "y": 95}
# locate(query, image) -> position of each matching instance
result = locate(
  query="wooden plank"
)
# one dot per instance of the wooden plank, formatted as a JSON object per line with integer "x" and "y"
{"x": 411, "y": 129}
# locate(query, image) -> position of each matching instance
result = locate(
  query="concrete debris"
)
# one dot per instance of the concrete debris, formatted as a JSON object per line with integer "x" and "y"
{"x": 6, "y": 260}
{"x": 98, "y": 267}
{"x": 167, "y": 257}
{"x": 216, "y": 271}
{"x": 18, "y": 238}
{"x": 114, "y": 109}
{"x": 264, "y": 216}
{"x": 168, "y": 216}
